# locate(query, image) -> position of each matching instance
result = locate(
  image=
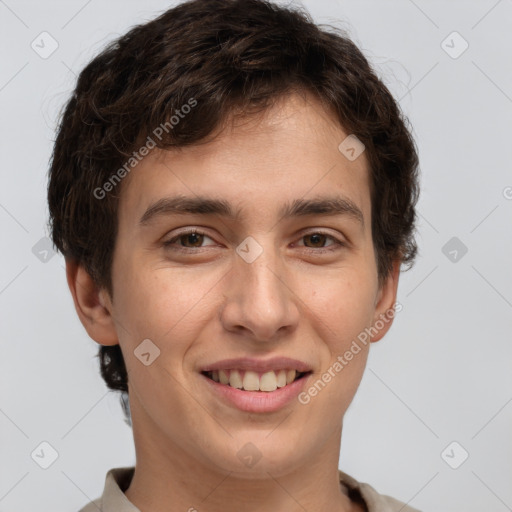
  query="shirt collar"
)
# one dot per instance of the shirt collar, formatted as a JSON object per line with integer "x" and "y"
{"x": 118, "y": 480}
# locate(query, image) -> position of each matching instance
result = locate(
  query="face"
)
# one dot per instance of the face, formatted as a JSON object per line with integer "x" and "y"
{"x": 270, "y": 281}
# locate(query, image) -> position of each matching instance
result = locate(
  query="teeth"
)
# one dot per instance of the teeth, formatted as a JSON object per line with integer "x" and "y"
{"x": 235, "y": 380}
{"x": 281, "y": 378}
{"x": 268, "y": 382}
{"x": 251, "y": 381}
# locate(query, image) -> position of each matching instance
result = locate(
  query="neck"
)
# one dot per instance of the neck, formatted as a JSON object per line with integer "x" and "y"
{"x": 168, "y": 479}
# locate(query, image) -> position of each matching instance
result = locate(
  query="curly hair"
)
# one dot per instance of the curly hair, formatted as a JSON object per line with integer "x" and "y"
{"x": 231, "y": 57}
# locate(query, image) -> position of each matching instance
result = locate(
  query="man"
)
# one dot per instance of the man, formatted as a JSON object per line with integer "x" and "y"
{"x": 233, "y": 190}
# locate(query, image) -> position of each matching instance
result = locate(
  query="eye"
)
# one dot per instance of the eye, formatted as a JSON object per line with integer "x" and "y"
{"x": 193, "y": 237}
{"x": 318, "y": 238}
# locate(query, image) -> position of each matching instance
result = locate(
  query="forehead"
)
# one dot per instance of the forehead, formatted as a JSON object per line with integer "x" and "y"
{"x": 257, "y": 164}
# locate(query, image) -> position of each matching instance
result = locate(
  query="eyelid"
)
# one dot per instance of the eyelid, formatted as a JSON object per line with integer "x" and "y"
{"x": 186, "y": 231}
{"x": 318, "y": 231}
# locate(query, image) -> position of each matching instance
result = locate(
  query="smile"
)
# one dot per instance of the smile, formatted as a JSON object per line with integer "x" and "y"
{"x": 256, "y": 400}
{"x": 249, "y": 380}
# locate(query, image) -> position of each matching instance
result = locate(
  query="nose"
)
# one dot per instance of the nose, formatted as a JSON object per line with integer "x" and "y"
{"x": 260, "y": 301}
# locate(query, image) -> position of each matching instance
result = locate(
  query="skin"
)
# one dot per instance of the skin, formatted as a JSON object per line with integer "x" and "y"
{"x": 209, "y": 304}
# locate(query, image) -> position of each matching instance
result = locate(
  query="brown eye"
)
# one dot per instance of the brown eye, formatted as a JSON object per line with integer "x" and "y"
{"x": 195, "y": 239}
{"x": 188, "y": 240}
{"x": 317, "y": 239}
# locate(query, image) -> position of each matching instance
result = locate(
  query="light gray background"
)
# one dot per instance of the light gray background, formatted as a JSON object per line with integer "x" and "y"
{"x": 442, "y": 374}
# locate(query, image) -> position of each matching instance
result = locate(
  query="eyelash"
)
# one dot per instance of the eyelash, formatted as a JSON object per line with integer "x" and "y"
{"x": 169, "y": 243}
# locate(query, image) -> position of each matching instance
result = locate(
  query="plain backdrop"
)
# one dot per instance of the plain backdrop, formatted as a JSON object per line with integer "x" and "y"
{"x": 431, "y": 422}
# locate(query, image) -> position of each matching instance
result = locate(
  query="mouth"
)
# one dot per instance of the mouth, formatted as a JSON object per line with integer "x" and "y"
{"x": 256, "y": 385}
{"x": 249, "y": 380}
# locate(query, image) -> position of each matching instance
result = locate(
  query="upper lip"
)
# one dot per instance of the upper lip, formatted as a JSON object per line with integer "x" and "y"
{"x": 258, "y": 365}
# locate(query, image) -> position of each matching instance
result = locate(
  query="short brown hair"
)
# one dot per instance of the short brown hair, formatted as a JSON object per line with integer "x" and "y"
{"x": 228, "y": 56}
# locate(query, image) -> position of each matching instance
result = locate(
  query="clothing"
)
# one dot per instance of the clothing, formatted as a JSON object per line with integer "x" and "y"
{"x": 118, "y": 480}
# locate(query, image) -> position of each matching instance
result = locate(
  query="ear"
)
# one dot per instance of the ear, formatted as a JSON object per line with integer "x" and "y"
{"x": 92, "y": 304}
{"x": 385, "y": 304}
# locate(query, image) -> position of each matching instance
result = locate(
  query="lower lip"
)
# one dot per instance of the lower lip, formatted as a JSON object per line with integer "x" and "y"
{"x": 257, "y": 401}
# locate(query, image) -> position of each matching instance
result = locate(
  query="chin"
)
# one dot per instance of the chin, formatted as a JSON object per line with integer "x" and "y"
{"x": 257, "y": 460}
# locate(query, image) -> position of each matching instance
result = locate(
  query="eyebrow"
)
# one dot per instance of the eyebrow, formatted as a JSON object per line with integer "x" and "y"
{"x": 182, "y": 205}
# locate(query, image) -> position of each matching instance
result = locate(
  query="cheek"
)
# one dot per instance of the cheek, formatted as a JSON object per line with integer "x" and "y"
{"x": 162, "y": 302}
{"x": 341, "y": 306}
{"x": 163, "y": 305}
{"x": 339, "y": 313}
